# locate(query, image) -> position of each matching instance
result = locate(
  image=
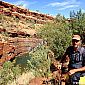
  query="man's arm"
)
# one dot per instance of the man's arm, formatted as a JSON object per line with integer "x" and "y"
{"x": 80, "y": 69}
{"x": 76, "y": 70}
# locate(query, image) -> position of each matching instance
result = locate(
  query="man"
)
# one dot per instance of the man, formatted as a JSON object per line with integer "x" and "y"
{"x": 76, "y": 55}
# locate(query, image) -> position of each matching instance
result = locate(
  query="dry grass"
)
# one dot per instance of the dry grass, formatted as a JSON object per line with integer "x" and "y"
{"x": 22, "y": 79}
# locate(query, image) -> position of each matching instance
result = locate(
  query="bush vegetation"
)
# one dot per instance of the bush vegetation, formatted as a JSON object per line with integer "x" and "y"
{"x": 57, "y": 35}
{"x": 36, "y": 61}
{"x": 8, "y": 73}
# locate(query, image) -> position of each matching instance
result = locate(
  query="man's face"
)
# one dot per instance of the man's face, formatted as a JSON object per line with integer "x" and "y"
{"x": 76, "y": 43}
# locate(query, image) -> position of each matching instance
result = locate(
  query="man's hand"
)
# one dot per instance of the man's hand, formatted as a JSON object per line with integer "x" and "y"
{"x": 72, "y": 71}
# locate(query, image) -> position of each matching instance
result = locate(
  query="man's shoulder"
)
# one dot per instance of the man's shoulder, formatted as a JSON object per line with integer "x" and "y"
{"x": 83, "y": 46}
{"x": 82, "y": 49}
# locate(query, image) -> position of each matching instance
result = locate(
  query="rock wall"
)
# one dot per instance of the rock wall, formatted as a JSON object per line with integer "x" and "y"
{"x": 19, "y": 12}
{"x": 13, "y": 46}
{"x": 17, "y": 47}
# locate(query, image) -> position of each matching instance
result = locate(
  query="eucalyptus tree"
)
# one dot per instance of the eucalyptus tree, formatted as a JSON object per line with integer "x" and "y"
{"x": 77, "y": 21}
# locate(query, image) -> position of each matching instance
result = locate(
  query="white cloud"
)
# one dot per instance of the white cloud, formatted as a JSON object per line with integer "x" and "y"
{"x": 65, "y": 4}
{"x": 68, "y": 6}
{"x": 24, "y": 3}
{"x": 58, "y": 4}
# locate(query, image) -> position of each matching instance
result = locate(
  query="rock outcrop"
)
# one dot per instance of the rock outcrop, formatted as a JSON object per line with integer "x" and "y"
{"x": 16, "y": 47}
{"x": 22, "y": 13}
{"x": 16, "y": 28}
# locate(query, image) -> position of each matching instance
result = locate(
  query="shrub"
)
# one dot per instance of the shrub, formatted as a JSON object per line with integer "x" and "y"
{"x": 8, "y": 73}
{"x": 36, "y": 61}
{"x": 57, "y": 35}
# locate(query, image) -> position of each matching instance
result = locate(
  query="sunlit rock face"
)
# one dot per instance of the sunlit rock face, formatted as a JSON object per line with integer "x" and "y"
{"x": 23, "y": 13}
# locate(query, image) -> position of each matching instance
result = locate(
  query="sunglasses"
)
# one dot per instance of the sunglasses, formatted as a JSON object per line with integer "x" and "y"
{"x": 74, "y": 40}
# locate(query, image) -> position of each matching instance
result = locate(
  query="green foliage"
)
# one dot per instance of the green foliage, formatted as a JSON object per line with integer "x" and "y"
{"x": 36, "y": 61}
{"x": 8, "y": 73}
{"x": 39, "y": 61}
{"x": 77, "y": 23}
{"x": 57, "y": 35}
{"x": 60, "y": 18}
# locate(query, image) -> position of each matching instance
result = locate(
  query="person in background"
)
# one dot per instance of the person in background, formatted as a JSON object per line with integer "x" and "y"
{"x": 76, "y": 55}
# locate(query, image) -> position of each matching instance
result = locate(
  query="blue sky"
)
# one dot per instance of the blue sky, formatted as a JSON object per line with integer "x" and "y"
{"x": 52, "y": 7}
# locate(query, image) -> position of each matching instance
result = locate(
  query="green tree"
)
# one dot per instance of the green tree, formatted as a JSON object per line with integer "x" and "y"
{"x": 77, "y": 23}
{"x": 60, "y": 18}
{"x": 57, "y": 35}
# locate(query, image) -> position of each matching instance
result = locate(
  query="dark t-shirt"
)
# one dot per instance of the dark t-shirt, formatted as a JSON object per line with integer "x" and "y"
{"x": 77, "y": 59}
